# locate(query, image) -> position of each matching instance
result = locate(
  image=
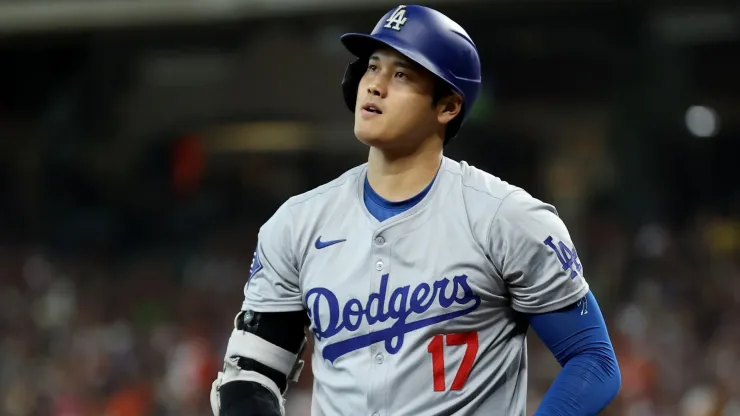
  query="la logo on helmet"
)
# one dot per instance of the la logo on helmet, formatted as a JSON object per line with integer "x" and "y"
{"x": 397, "y": 19}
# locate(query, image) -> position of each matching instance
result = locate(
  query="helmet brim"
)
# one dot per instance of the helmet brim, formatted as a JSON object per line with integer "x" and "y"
{"x": 363, "y": 46}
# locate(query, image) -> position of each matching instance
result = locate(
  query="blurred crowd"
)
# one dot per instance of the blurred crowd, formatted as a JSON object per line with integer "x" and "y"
{"x": 99, "y": 335}
{"x": 137, "y": 165}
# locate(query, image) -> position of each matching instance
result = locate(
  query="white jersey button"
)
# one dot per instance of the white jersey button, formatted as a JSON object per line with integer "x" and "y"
{"x": 379, "y": 240}
{"x": 379, "y": 265}
{"x": 379, "y": 358}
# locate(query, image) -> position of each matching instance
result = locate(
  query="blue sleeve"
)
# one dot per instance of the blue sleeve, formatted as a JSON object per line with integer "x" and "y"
{"x": 578, "y": 338}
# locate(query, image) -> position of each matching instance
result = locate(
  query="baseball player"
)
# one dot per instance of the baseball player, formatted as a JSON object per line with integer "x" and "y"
{"x": 417, "y": 276}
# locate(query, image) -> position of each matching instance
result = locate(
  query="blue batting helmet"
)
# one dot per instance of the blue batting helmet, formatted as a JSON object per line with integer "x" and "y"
{"x": 428, "y": 38}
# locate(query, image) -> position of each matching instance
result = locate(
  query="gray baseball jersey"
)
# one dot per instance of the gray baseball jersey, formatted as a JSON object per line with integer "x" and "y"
{"x": 418, "y": 314}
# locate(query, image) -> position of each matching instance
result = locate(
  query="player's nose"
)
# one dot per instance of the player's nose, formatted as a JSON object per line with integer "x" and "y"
{"x": 377, "y": 88}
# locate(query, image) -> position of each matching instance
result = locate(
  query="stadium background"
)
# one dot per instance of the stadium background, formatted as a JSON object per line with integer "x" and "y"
{"x": 142, "y": 144}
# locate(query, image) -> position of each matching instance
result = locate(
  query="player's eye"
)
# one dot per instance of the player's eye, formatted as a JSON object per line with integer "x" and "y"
{"x": 372, "y": 68}
{"x": 401, "y": 75}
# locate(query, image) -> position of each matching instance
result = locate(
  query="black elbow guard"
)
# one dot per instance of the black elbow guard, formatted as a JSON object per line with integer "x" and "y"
{"x": 282, "y": 329}
{"x": 263, "y": 355}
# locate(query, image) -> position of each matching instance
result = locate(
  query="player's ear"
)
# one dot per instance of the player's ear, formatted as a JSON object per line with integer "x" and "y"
{"x": 449, "y": 107}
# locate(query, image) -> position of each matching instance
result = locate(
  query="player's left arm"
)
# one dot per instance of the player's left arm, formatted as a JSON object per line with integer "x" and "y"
{"x": 578, "y": 338}
{"x": 533, "y": 250}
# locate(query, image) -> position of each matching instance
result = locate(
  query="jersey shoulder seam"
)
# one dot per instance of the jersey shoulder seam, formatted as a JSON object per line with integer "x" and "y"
{"x": 483, "y": 191}
{"x": 495, "y": 214}
{"x": 490, "y": 224}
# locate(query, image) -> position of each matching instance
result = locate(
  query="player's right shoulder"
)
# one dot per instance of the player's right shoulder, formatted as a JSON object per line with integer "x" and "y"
{"x": 346, "y": 185}
{"x": 327, "y": 193}
{"x": 298, "y": 218}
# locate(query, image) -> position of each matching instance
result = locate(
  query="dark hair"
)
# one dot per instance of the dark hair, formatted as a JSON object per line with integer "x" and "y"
{"x": 441, "y": 90}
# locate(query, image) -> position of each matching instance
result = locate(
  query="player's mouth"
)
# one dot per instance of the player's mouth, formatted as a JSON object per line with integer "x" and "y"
{"x": 371, "y": 110}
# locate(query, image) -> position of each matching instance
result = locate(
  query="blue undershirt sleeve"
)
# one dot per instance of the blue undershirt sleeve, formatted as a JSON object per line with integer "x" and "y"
{"x": 590, "y": 377}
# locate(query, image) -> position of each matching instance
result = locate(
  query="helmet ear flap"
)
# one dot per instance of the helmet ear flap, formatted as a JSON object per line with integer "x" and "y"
{"x": 351, "y": 82}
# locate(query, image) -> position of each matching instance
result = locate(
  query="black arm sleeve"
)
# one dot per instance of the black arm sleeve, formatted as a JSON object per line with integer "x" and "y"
{"x": 247, "y": 398}
{"x": 285, "y": 330}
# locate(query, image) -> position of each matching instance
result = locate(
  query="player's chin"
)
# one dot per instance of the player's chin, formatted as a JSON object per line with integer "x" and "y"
{"x": 369, "y": 134}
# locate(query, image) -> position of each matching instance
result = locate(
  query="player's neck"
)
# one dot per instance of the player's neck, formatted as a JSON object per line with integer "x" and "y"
{"x": 397, "y": 178}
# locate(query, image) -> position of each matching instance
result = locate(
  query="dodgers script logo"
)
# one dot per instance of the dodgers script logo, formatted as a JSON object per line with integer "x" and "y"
{"x": 402, "y": 304}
